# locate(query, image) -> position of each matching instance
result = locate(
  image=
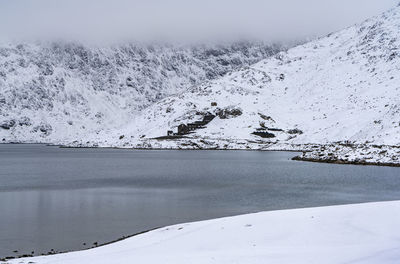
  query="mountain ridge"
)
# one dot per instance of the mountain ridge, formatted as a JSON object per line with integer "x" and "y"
{"x": 342, "y": 88}
{"x": 48, "y": 90}
{"x": 329, "y": 82}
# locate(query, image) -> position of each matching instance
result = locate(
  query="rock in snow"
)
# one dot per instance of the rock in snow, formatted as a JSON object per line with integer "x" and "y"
{"x": 364, "y": 233}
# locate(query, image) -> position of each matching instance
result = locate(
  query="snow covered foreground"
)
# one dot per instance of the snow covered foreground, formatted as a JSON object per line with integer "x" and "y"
{"x": 363, "y": 233}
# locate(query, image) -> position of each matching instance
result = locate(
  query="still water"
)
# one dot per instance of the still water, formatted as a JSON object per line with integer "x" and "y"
{"x": 68, "y": 199}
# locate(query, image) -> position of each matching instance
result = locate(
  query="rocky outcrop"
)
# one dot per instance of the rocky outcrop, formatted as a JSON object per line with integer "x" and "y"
{"x": 7, "y": 124}
{"x": 348, "y": 153}
{"x": 229, "y": 112}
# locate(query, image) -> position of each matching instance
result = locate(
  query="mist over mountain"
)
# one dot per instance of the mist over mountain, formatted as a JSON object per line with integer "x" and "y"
{"x": 57, "y": 89}
{"x": 338, "y": 88}
{"x": 98, "y": 21}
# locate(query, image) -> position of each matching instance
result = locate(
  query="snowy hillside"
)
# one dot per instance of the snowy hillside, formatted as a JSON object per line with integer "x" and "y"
{"x": 53, "y": 92}
{"x": 343, "y": 87}
{"x": 362, "y": 233}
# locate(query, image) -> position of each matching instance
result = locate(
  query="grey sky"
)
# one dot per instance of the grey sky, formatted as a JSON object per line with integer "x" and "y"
{"x": 182, "y": 19}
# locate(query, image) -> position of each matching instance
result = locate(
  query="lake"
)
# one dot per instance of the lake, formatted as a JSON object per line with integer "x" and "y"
{"x": 68, "y": 199}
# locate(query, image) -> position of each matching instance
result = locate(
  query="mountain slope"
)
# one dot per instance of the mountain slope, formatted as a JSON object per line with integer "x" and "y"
{"x": 343, "y": 87}
{"x": 54, "y": 92}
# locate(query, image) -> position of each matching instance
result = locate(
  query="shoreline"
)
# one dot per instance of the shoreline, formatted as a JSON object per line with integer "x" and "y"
{"x": 245, "y": 236}
{"x": 317, "y": 153}
{"x": 51, "y": 253}
{"x": 297, "y": 158}
{"x": 345, "y": 162}
{"x": 5, "y": 259}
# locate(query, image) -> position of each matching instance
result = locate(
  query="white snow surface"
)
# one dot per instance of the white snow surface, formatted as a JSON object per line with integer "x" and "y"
{"x": 57, "y": 92}
{"x": 343, "y": 87}
{"x": 366, "y": 154}
{"x": 363, "y": 233}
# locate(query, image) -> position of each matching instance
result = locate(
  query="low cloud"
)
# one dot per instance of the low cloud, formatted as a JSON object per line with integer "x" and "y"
{"x": 117, "y": 20}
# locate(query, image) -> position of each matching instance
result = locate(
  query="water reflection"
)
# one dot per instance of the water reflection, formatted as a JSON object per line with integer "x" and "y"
{"x": 52, "y": 198}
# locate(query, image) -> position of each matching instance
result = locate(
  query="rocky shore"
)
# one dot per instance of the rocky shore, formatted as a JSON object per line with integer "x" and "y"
{"x": 358, "y": 154}
{"x": 338, "y": 152}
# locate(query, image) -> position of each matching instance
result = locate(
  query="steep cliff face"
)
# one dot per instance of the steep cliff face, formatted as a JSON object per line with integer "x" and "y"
{"x": 51, "y": 92}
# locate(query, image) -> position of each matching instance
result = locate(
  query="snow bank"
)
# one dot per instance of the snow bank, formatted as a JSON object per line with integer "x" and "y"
{"x": 363, "y": 233}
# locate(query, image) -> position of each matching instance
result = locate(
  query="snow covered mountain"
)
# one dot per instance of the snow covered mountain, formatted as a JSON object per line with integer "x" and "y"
{"x": 58, "y": 92}
{"x": 343, "y": 87}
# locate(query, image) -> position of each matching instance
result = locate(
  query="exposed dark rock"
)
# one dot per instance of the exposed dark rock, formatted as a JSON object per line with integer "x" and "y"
{"x": 99, "y": 115}
{"x": 263, "y": 134}
{"x": 183, "y": 129}
{"x": 7, "y": 124}
{"x": 24, "y": 121}
{"x": 342, "y": 161}
{"x": 25, "y": 256}
{"x": 267, "y": 118}
{"x": 173, "y": 137}
{"x": 295, "y": 131}
{"x": 227, "y": 113}
{"x": 130, "y": 82}
{"x": 275, "y": 129}
{"x": 46, "y": 129}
